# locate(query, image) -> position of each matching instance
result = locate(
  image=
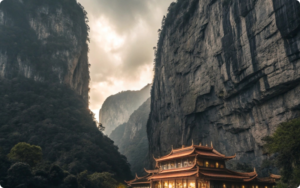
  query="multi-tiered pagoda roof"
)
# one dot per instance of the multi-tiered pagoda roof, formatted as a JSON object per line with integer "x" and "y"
{"x": 200, "y": 162}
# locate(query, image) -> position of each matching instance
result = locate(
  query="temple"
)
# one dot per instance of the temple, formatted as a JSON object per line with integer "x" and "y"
{"x": 198, "y": 166}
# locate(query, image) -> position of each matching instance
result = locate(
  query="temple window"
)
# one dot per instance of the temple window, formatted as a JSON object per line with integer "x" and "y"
{"x": 200, "y": 162}
{"x": 191, "y": 184}
{"x": 179, "y": 164}
{"x": 224, "y": 185}
{"x": 232, "y": 186}
{"x": 184, "y": 183}
{"x": 221, "y": 166}
{"x": 186, "y": 163}
{"x": 179, "y": 184}
{"x": 217, "y": 165}
{"x": 172, "y": 164}
{"x": 171, "y": 184}
{"x": 166, "y": 184}
{"x": 212, "y": 165}
{"x": 157, "y": 185}
{"x": 165, "y": 166}
{"x": 243, "y": 186}
{"x": 169, "y": 166}
{"x": 191, "y": 162}
{"x": 206, "y": 164}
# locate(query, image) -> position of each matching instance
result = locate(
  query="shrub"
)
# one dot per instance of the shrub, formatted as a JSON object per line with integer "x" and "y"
{"x": 285, "y": 142}
{"x": 24, "y": 152}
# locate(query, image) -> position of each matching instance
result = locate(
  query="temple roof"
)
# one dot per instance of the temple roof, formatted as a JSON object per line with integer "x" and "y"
{"x": 174, "y": 174}
{"x": 139, "y": 180}
{"x": 225, "y": 174}
{"x": 194, "y": 150}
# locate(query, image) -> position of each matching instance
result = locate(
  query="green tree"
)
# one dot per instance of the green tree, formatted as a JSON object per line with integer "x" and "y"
{"x": 285, "y": 142}
{"x": 24, "y": 152}
{"x": 103, "y": 180}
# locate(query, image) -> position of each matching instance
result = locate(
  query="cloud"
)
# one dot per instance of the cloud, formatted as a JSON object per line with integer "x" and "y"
{"x": 123, "y": 34}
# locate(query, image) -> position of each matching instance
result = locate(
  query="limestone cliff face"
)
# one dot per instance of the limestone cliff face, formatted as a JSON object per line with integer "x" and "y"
{"x": 131, "y": 138}
{"x": 45, "y": 41}
{"x": 227, "y": 71}
{"x": 117, "y": 109}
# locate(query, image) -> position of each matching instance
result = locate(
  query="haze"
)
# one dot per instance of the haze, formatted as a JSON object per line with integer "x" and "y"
{"x": 123, "y": 34}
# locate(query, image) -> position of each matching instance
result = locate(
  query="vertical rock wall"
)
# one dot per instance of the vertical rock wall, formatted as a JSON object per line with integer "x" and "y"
{"x": 227, "y": 71}
{"x": 45, "y": 41}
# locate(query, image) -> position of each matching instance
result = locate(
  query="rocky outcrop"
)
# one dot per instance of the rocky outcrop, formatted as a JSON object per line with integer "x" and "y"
{"x": 131, "y": 138}
{"x": 45, "y": 41}
{"x": 117, "y": 109}
{"x": 226, "y": 71}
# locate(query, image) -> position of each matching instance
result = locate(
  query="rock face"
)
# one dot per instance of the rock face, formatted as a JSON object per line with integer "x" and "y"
{"x": 45, "y": 41}
{"x": 226, "y": 71}
{"x": 131, "y": 138}
{"x": 117, "y": 109}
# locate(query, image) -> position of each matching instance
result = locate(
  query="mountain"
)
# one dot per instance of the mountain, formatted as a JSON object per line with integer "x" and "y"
{"x": 226, "y": 72}
{"x": 45, "y": 41}
{"x": 117, "y": 109}
{"x": 131, "y": 138}
{"x": 44, "y": 81}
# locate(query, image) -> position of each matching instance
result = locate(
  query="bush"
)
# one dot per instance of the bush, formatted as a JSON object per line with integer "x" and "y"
{"x": 18, "y": 174}
{"x": 285, "y": 142}
{"x": 24, "y": 152}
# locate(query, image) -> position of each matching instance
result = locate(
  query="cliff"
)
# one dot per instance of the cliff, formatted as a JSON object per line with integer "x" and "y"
{"x": 45, "y": 41}
{"x": 226, "y": 72}
{"x": 117, "y": 109}
{"x": 131, "y": 138}
{"x": 44, "y": 81}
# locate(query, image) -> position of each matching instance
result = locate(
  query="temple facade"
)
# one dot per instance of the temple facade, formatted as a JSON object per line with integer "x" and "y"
{"x": 198, "y": 166}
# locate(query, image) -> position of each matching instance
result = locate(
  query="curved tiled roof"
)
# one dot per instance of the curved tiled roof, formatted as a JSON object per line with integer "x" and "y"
{"x": 174, "y": 175}
{"x": 203, "y": 151}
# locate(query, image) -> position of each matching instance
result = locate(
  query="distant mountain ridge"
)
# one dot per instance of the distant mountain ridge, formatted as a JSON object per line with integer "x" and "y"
{"x": 131, "y": 138}
{"x": 117, "y": 109}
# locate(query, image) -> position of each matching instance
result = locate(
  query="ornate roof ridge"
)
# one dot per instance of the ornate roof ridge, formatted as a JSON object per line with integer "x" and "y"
{"x": 277, "y": 177}
{"x": 179, "y": 169}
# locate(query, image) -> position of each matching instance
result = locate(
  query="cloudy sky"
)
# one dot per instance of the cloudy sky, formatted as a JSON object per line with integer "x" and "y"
{"x": 123, "y": 34}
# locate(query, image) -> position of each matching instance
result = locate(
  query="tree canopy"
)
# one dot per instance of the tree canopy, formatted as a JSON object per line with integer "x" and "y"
{"x": 285, "y": 142}
{"x": 24, "y": 152}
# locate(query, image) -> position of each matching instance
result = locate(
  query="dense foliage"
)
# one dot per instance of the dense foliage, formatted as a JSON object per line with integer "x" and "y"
{"x": 24, "y": 152}
{"x": 55, "y": 118}
{"x": 285, "y": 142}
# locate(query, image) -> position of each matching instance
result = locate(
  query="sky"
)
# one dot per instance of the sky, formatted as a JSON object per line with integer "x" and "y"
{"x": 123, "y": 34}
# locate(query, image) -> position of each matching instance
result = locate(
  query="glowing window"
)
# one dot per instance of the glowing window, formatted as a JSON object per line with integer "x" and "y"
{"x": 191, "y": 184}
{"x": 171, "y": 184}
{"x": 221, "y": 166}
{"x": 217, "y": 165}
{"x": 206, "y": 164}
{"x": 224, "y": 185}
{"x": 166, "y": 184}
{"x": 184, "y": 184}
{"x": 256, "y": 186}
{"x": 243, "y": 186}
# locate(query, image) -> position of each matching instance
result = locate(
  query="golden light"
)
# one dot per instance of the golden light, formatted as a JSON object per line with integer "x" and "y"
{"x": 217, "y": 165}
{"x": 243, "y": 186}
{"x": 206, "y": 163}
{"x": 224, "y": 186}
